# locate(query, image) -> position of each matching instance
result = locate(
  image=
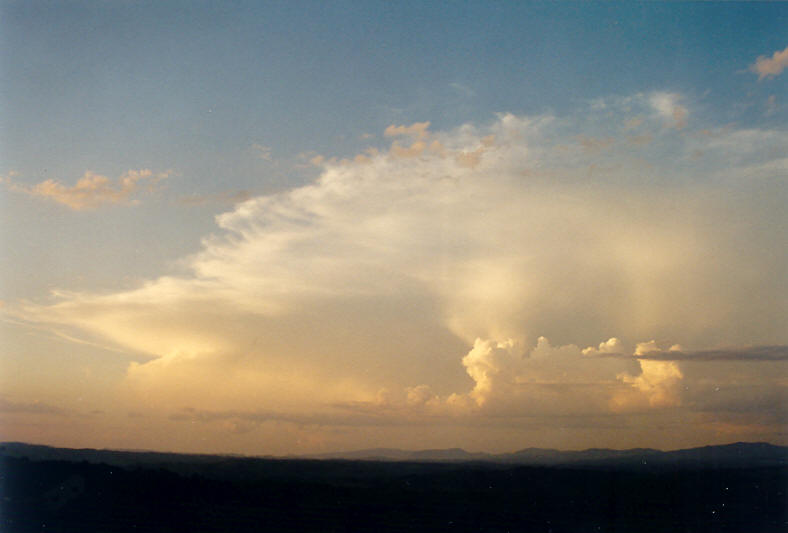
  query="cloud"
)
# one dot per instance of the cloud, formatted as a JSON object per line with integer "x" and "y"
{"x": 753, "y": 353}
{"x": 658, "y": 381}
{"x": 437, "y": 269}
{"x": 667, "y": 106}
{"x": 93, "y": 190}
{"x": 262, "y": 152}
{"x": 770, "y": 67}
{"x": 236, "y": 421}
{"x": 417, "y": 130}
{"x": 633, "y": 123}
{"x": 610, "y": 346}
{"x": 461, "y": 90}
{"x": 34, "y": 408}
{"x": 545, "y": 379}
{"x": 771, "y": 105}
{"x": 224, "y": 197}
{"x": 421, "y": 395}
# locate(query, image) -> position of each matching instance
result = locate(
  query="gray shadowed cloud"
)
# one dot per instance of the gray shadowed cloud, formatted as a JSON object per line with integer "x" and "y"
{"x": 752, "y": 353}
{"x": 8, "y": 406}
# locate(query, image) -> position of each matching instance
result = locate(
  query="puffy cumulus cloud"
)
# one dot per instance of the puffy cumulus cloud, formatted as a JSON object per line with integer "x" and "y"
{"x": 93, "y": 190}
{"x": 485, "y": 362}
{"x": 610, "y": 346}
{"x": 770, "y": 67}
{"x": 657, "y": 381}
{"x": 432, "y": 268}
{"x": 543, "y": 380}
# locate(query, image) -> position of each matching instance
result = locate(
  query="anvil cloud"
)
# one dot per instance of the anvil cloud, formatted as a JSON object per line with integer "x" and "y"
{"x": 425, "y": 278}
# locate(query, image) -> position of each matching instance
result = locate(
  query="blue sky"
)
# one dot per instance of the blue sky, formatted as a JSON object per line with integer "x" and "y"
{"x": 194, "y": 86}
{"x": 124, "y": 84}
{"x": 175, "y": 112}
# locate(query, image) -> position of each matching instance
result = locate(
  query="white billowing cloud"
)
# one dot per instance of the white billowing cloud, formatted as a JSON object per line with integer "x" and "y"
{"x": 93, "y": 190}
{"x": 667, "y": 106}
{"x": 480, "y": 240}
{"x": 545, "y": 379}
{"x": 610, "y": 346}
{"x": 657, "y": 381}
{"x": 485, "y": 362}
{"x": 770, "y": 67}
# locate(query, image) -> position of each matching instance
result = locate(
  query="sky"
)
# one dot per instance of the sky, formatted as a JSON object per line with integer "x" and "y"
{"x": 301, "y": 227}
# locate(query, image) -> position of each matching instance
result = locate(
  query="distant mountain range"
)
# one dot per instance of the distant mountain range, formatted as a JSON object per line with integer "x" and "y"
{"x": 736, "y": 454}
{"x": 740, "y": 454}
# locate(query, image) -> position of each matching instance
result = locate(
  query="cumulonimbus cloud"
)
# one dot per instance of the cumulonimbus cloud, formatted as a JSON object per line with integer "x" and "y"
{"x": 438, "y": 268}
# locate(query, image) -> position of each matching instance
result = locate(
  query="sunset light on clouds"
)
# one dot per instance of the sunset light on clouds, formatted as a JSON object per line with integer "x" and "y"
{"x": 573, "y": 264}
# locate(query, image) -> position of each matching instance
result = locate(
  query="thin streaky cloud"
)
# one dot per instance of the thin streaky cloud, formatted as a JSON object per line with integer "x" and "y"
{"x": 750, "y": 353}
{"x": 9, "y": 406}
{"x": 220, "y": 198}
{"x": 754, "y": 353}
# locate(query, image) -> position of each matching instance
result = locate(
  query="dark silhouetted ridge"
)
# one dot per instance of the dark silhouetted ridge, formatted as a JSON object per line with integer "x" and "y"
{"x": 739, "y": 487}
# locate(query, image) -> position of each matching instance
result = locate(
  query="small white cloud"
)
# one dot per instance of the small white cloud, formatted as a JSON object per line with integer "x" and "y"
{"x": 417, "y": 130}
{"x": 93, "y": 190}
{"x": 770, "y": 67}
{"x": 610, "y": 346}
{"x": 667, "y": 106}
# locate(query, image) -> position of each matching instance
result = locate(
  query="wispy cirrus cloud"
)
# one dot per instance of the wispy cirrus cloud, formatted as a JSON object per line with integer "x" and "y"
{"x": 94, "y": 190}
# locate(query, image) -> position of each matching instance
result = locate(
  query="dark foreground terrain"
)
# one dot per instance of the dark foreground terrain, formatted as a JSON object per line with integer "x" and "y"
{"x": 45, "y": 489}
